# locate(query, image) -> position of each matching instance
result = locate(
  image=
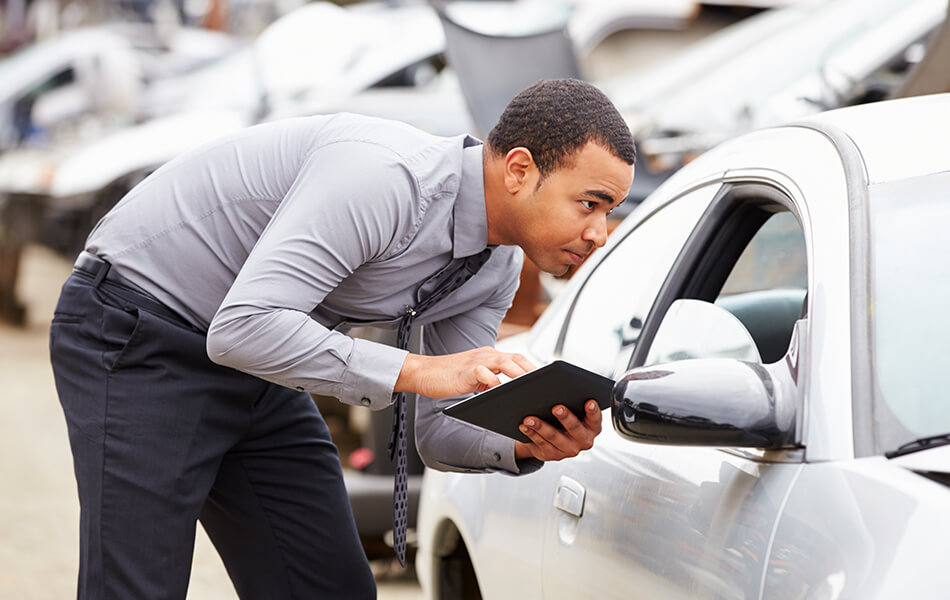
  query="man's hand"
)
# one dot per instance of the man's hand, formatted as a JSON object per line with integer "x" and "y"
{"x": 551, "y": 443}
{"x": 466, "y": 372}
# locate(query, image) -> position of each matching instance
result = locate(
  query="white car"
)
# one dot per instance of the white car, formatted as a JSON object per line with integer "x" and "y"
{"x": 773, "y": 316}
{"x": 93, "y": 78}
{"x": 776, "y": 66}
{"x": 317, "y": 48}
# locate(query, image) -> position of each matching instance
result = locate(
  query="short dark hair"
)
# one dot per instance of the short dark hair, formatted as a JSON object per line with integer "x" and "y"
{"x": 555, "y": 118}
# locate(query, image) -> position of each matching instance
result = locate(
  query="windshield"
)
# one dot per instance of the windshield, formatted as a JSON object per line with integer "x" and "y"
{"x": 910, "y": 325}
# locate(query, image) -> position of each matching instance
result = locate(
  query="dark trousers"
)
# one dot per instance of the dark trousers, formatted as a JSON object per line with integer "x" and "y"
{"x": 162, "y": 437}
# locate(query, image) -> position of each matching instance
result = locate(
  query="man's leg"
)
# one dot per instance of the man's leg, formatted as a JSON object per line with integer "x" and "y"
{"x": 149, "y": 419}
{"x": 279, "y": 514}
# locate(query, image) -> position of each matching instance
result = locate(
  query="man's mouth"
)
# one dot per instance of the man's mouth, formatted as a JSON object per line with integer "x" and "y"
{"x": 576, "y": 258}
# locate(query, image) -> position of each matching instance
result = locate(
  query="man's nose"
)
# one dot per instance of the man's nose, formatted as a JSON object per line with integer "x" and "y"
{"x": 597, "y": 232}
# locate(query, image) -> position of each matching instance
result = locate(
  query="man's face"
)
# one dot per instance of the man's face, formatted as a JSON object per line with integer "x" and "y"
{"x": 563, "y": 220}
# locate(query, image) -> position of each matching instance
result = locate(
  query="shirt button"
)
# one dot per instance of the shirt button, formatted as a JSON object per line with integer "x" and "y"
{"x": 496, "y": 456}
{"x": 299, "y": 388}
{"x": 366, "y": 401}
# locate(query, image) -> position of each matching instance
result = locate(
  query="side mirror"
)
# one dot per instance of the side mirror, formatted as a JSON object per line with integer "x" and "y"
{"x": 704, "y": 402}
{"x": 704, "y": 385}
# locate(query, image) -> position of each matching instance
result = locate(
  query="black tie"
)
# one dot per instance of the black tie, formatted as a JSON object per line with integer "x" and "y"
{"x": 437, "y": 287}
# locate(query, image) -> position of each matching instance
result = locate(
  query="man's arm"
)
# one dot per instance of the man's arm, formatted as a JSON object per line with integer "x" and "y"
{"x": 448, "y": 444}
{"x": 333, "y": 220}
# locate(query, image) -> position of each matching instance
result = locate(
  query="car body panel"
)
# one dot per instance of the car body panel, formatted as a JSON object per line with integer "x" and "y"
{"x": 865, "y": 529}
{"x": 726, "y": 505}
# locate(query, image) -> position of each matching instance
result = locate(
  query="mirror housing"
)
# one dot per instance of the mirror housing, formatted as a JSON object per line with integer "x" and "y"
{"x": 705, "y": 402}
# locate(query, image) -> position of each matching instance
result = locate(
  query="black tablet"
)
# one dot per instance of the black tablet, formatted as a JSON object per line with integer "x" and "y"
{"x": 503, "y": 408}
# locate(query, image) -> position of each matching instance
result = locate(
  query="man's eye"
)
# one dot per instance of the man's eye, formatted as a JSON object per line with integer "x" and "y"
{"x": 589, "y": 204}
{"x": 610, "y": 212}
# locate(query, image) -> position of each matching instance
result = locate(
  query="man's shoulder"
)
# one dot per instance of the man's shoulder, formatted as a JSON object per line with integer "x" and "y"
{"x": 402, "y": 138}
{"x": 432, "y": 159}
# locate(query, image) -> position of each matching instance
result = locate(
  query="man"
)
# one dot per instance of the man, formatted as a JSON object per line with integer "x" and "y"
{"x": 258, "y": 250}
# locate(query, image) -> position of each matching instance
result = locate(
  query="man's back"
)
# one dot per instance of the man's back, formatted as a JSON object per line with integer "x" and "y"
{"x": 185, "y": 232}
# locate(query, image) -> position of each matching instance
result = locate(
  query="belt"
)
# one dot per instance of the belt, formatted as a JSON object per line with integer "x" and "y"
{"x": 103, "y": 275}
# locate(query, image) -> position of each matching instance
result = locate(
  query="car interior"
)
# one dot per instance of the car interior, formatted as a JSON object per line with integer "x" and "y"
{"x": 748, "y": 257}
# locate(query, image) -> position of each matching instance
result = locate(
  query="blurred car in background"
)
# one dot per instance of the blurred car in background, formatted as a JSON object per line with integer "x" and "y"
{"x": 91, "y": 80}
{"x": 753, "y": 272}
{"x": 319, "y": 46}
{"x": 773, "y": 316}
{"x": 315, "y": 59}
{"x": 770, "y": 68}
{"x": 81, "y": 85}
{"x": 435, "y": 103}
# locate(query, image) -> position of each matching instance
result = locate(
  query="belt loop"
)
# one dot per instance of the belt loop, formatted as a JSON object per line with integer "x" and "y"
{"x": 104, "y": 267}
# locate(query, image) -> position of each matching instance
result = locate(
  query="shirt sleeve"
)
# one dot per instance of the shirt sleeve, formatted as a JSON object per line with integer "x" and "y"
{"x": 334, "y": 218}
{"x": 448, "y": 444}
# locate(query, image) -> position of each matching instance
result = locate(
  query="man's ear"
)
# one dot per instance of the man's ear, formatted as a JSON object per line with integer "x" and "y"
{"x": 520, "y": 170}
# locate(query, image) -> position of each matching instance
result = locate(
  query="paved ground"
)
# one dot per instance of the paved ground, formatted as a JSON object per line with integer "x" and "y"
{"x": 39, "y": 511}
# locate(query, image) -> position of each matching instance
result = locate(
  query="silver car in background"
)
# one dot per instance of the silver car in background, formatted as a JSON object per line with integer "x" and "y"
{"x": 773, "y": 67}
{"x": 774, "y": 317}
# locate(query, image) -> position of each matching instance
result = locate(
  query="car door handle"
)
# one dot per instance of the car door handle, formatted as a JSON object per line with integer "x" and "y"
{"x": 569, "y": 496}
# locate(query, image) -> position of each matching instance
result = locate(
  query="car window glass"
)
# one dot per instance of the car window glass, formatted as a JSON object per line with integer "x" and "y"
{"x": 609, "y": 311}
{"x": 766, "y": 287}
{"x": 775, "y": 258}
{"x": 909, "y": 329}
{"x": 23, "y": 107}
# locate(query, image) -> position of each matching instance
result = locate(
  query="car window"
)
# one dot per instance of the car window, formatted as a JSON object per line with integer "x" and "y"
{"x": 909, "y": 285}
{"x": 23, "y": 107}
{"x": 766, "y": 287}
{"x": 602, "y": 328}
{"x": 774, "y": 259}
{"x": 749, "y": 258}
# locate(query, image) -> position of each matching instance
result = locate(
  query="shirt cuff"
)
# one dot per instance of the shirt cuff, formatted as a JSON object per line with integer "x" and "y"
{"x": 499, "y": 453}
{"x": 371, "y": 374}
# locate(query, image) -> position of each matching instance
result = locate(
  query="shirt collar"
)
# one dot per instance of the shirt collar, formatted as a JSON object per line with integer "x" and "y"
{"x": 470, "y": 234}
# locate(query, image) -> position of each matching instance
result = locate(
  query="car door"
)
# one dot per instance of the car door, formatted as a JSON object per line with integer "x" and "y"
{"x": 508, "y": 539}
{"x": 629, "y": 519}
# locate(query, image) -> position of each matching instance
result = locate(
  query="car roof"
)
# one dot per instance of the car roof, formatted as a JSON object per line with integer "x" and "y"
{"x": 896, "y": 139}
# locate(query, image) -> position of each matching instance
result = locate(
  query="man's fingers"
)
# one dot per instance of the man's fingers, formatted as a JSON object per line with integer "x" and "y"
{"x": 523, "y": 362}
{"x": 555, "y": 444}
{"x": 593, "y": 419}
{"x": 580, "y": 433}
{"x": 511, "y": 365}
{"x": 532, "y": 427}
{"x": 485, "y": 378}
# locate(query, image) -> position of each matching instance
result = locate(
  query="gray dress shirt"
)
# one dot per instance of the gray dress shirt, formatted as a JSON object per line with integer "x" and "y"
{"x": 278, "y": 238}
